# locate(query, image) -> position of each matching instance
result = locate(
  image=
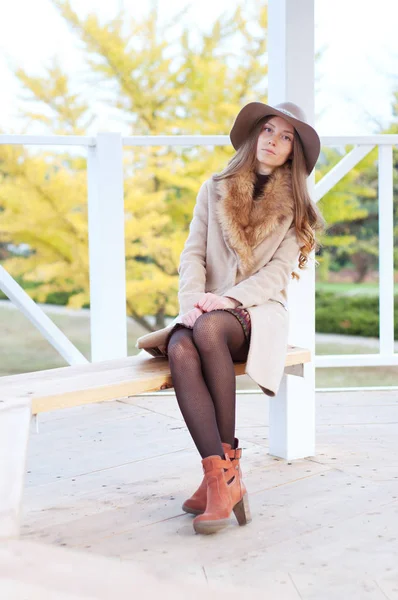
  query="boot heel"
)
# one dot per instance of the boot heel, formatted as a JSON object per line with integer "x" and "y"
{"x": 242, "y": 511}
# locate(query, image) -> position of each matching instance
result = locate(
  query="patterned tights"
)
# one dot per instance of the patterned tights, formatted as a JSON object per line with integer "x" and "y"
{"x": 201, "y": 362}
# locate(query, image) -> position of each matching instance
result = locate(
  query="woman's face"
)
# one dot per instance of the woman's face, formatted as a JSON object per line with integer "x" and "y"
{"x": 274, "y": 144}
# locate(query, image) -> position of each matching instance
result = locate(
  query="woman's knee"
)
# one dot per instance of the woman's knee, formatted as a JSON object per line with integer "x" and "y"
{"x": 181, "y": 345}
{"x": 209, "y": 330}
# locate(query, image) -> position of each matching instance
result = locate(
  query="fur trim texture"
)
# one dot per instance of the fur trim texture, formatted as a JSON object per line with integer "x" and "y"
{"x": 246, "y": 222}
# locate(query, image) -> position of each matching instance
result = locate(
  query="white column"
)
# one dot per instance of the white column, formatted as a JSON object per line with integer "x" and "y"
{"x": 107, "y": 248}
{"x": 291, "y": 53}
{"x": 291, "y": 78}
{"x": 386, "y": 250}
{"x": 14, "y": 435}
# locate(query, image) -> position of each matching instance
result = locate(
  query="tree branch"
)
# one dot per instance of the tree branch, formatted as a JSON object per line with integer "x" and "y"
{"x": 138, "y": 318}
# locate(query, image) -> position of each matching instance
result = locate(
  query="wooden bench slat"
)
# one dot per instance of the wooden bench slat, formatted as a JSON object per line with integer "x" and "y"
{"x": 69, "y": 371}
{"x": 108, "y": 380}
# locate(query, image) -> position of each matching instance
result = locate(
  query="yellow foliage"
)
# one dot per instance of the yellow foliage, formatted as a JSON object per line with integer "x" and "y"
{"x": 196, "y": 89}
{"x": 163, "y": 83}
{"x": 342, "y": 204}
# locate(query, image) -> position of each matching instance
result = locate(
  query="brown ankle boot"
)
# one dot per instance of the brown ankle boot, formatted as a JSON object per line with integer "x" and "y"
{"x": 196, "y": 504}
{"x": 226, "y": 492}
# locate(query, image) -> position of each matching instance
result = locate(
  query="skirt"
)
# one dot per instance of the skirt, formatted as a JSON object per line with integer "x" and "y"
{"x": 243, "y": 317}
{"x": 241, "y": 314}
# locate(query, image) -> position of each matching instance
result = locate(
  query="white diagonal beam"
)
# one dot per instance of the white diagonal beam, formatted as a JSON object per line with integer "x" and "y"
{"x": 40, "y": 320}
{"x": 343, "y": 167}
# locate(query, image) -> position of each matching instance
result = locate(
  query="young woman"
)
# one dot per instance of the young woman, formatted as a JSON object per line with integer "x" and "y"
{"x": 252, "y": 225}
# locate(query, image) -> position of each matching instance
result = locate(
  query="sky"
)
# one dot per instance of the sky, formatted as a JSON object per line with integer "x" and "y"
{"x": 356, "y": 74}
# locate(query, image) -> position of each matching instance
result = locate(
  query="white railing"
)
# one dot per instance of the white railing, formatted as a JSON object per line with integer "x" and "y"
{"x": 363, "y": 145}
{"x": 107, "y": 251}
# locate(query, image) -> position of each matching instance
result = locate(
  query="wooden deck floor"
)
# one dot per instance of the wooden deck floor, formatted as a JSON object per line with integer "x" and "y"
{"x": 110, "y": 479}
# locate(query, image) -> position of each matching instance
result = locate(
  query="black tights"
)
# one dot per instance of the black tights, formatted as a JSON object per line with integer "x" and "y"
{"x": 201, "y": 362}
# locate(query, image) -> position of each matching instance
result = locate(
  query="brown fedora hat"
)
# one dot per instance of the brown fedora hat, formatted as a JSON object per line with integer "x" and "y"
{"x": 253, "y": 112}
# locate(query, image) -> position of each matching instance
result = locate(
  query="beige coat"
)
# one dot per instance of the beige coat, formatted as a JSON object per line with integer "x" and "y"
{"x": 246, "y": 250}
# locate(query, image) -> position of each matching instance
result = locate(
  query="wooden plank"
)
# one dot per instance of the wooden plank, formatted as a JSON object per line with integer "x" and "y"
{"x": 42, "y": 572}
{"x": 295, "y": 355}
{"x": 99, "y": 382}
{"x": 67, "y": 372}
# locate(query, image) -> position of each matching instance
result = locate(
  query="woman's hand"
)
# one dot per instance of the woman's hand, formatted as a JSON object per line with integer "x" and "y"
{"x": 190, "y": 317}
{"x": 209, "y": 301}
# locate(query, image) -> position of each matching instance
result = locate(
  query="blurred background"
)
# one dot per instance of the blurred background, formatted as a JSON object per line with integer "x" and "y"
{"x": 157, "y": 68}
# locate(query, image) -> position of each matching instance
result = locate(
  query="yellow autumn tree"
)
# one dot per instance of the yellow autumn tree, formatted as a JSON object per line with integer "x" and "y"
{"x": 43, "y": 195}
{"x": 342, "y": 207}
{"x": 197, "y": 88}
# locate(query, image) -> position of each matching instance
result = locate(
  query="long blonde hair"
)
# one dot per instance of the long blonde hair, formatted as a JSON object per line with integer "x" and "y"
{"x": 307, "y": 217}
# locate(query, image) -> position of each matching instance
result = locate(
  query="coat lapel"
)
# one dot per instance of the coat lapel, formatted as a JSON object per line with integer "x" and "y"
{"x": 245, "y": 223}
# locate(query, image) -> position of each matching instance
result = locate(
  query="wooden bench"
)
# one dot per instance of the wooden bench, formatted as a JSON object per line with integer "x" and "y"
{"x": 33, "y": 393}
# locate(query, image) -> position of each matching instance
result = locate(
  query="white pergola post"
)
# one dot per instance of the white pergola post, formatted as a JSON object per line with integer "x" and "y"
{"x": 14, "y": 435}
{"x": 291, "y": 56}
{"x": 107, "y": 248}
{"x": 386, "y": 250}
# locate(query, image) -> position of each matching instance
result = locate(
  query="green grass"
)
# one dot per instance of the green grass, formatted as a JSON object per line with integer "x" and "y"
{"x": 353, "y": 376}
{"x": 356, "y": 377}
{"x": 23, "y": 349}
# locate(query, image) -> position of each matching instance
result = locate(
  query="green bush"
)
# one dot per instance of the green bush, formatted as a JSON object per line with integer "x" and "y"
{"x": 59, "y": 298}
{"x": 27, "y": 285}
{"x": 350, "y": 315}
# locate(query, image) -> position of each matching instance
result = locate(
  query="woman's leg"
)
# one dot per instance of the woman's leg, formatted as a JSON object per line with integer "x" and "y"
{"x": 193, "y": 396}
{"x": 220, "y": 340}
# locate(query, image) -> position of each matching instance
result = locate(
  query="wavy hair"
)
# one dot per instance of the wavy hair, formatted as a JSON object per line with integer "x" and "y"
{"x": 308, "y": 220}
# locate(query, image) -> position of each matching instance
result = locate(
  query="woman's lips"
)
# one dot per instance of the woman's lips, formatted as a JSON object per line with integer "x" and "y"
{"x": 270, "y": 151}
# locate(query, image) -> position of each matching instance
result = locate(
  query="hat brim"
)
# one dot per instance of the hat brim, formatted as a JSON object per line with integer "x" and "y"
{"x": 253, "y": 112}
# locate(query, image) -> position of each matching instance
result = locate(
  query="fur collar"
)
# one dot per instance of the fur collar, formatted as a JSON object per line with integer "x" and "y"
{"x": 246, "y": 223}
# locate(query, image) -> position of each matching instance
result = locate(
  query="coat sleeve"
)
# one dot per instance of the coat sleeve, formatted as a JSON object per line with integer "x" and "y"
{"x": 272, "y": 277}
{"x": 192, "y": 267}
